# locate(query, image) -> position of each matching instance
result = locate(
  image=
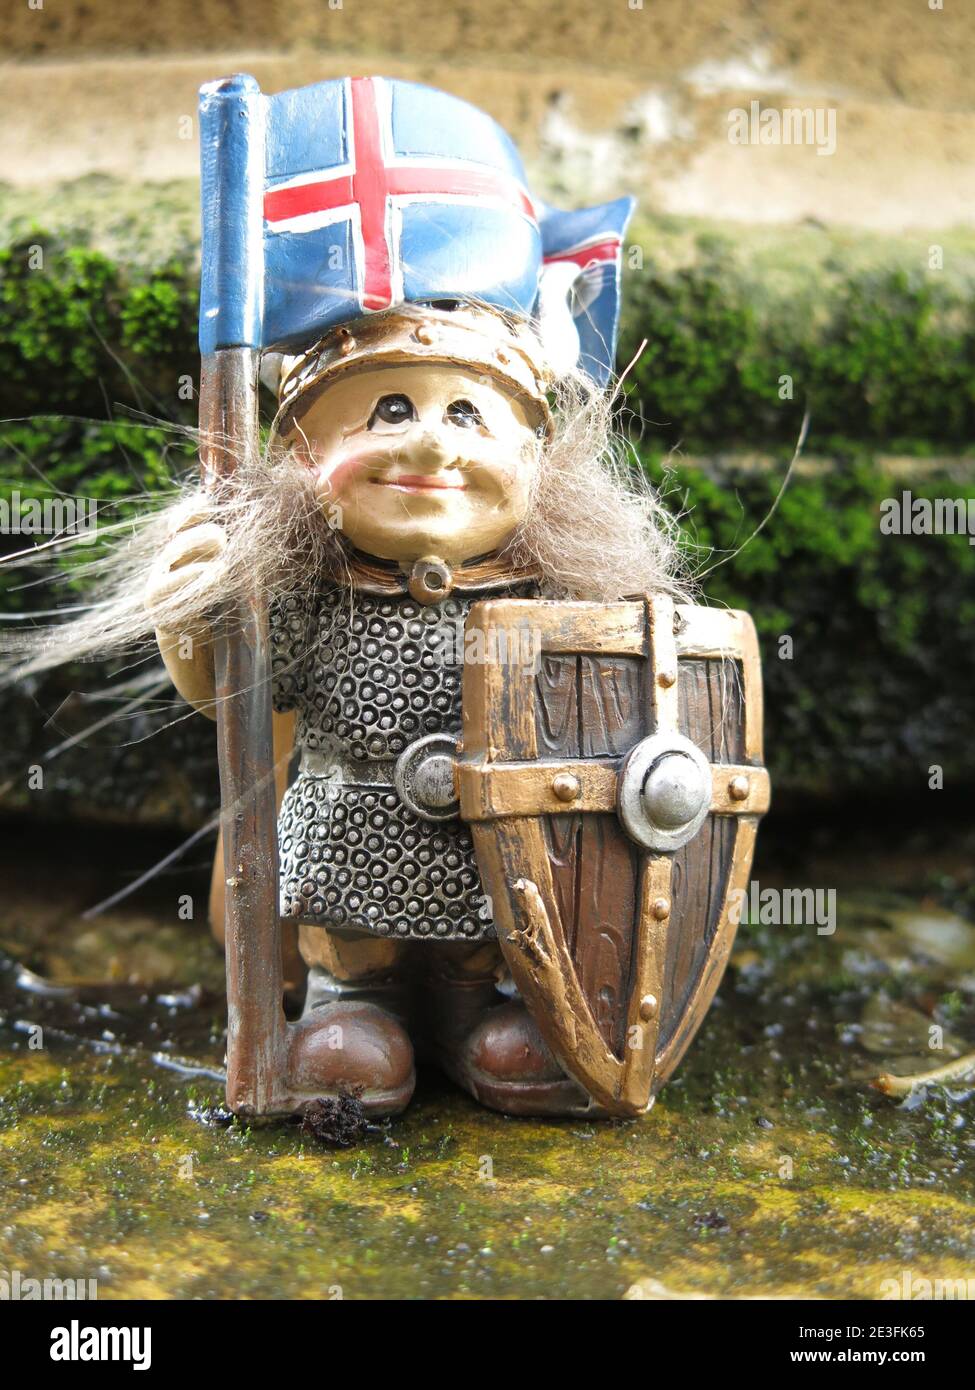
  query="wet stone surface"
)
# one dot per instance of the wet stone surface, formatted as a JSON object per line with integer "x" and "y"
{"x": 769, "y": 1166}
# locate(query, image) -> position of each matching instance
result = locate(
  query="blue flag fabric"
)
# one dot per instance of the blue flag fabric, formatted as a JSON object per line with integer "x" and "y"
{"x": 350, "y": 196}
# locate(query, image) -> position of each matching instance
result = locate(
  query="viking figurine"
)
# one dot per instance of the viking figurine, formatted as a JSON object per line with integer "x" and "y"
{"x": 476, "y": 744}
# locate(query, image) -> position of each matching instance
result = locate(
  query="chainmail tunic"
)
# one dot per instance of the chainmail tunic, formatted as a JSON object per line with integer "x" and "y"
{"x": 367, "y": 676}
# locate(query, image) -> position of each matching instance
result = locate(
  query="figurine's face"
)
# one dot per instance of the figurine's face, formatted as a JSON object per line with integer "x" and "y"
{"x": 423, "y": 459}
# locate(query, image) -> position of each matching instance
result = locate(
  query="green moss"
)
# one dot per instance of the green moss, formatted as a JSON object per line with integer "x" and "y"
{"x": 743, "y": 334}
{"x": 768, "y": 1166}
{"x": 882, "y": 353}
{"x": 81, "y": 333}
{"x": 95, "y": 357}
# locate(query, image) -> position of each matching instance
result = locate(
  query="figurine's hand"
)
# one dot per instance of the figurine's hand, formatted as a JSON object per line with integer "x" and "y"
{"x": 192, "y": 559}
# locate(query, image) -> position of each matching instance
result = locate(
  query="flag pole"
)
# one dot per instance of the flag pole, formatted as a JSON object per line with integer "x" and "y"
{"x": 232, "y": 156}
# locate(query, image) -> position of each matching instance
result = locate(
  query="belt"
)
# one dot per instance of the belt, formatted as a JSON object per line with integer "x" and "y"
{"x": 344, "y": 771}
{"x": 423, "y": 775}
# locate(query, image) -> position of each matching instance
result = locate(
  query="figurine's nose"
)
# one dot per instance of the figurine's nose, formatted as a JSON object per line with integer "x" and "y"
{"x": 429, "y": 451}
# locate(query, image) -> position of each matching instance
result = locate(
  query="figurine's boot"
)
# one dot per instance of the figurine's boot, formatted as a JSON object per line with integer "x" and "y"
{"x": 351, "y": 1037}
{"x": 489, "y": 1044}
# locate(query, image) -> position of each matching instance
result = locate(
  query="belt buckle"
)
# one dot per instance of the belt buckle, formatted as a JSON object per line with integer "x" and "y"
{"x": 424, "y": 777}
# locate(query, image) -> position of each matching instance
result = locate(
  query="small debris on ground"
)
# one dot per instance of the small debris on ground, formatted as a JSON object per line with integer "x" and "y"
{"x": 336, "y": 1121}
{"x": 711, "y": 1221}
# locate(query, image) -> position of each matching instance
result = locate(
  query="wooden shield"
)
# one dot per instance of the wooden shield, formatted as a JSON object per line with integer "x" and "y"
{"x": 616, "y": 947}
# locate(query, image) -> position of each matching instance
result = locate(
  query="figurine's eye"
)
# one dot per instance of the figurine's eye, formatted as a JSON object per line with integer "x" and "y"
{"x": 392, "y": 410}
{"x": 462, "y": 413}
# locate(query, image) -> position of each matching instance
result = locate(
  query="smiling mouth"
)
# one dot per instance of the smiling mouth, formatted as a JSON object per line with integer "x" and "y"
{"x": 419, "y": 482}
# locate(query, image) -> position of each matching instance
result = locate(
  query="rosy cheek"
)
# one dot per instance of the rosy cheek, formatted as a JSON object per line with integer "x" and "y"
{"x": 333, "y": 473}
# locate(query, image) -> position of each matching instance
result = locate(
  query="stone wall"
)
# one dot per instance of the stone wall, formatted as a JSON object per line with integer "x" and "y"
{"x": 601, "y": 96}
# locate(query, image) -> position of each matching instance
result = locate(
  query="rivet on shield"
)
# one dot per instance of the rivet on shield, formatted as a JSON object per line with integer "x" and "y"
{"x": 661, "y": 909}
{"x": 738, "y": 788}
{"x": 667, "y": 676}
{"x": 566, "y": 787}
{"x": 648, "y": 1007}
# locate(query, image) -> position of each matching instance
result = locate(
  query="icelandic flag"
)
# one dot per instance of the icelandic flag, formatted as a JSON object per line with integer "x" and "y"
{"x": 354, "y": 195}
{"x": 592, "y": 240}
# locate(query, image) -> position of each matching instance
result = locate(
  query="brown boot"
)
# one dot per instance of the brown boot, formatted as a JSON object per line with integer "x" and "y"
{"x": 493, "y": 1049}
{"x": 352, "y": 1046}
{"x": 507, "y": 1065}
